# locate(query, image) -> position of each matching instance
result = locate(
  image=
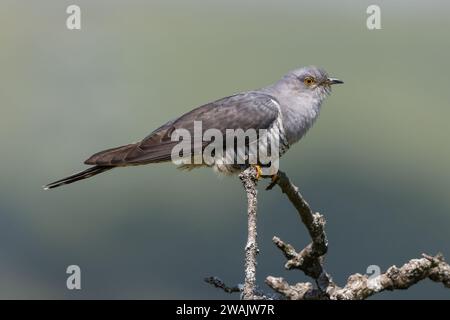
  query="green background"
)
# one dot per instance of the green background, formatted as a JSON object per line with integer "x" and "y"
{"x": 376, "y": 164}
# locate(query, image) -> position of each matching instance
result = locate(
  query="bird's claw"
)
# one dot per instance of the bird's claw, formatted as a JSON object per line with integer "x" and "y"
{"x": 259, "y": 175}
{"x": 259, "y": 172}
{"x": 274, "y": 181}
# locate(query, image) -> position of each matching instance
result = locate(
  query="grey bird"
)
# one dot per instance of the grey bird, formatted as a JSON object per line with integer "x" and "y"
{"x": 291, "y": 105}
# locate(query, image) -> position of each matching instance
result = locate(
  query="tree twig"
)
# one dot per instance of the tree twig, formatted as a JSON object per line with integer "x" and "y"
{"x": 310, "y": 260}
{"x": 218, "y": 283}
{"x": 249, "y": 181}
{"x": 361, "y": 287}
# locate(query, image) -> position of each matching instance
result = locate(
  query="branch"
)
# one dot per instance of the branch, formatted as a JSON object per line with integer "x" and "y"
{"x": 218, "y": 283}
{"x": 249, "y": 180}
{"x": 361, "y": 287}
{"x": 310, "y": 261}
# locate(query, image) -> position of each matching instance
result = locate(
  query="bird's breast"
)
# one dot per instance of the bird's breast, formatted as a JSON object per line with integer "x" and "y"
{"x": 298, "y": 119}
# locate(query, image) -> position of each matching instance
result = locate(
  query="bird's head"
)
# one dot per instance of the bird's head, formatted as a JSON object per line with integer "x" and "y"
{"x": 311, "y": 81}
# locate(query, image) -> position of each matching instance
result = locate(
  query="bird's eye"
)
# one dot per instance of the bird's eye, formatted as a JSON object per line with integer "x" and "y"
{"x": 309, "y": 81}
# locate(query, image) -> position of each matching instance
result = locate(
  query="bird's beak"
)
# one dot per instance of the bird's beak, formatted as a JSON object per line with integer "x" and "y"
{"x": 331, "y": 81}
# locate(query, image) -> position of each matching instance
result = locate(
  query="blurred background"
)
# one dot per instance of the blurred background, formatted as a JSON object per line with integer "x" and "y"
{"x": 376, "y": 164}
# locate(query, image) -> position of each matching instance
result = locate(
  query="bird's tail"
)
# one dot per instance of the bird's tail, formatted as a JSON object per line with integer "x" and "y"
{"x": 78, "y": 176}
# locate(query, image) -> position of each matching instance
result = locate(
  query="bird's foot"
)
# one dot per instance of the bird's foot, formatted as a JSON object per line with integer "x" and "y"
{"x": 259, "y": 171}
{"x": 274, "y": 181}
{"x": 259, "y": 175}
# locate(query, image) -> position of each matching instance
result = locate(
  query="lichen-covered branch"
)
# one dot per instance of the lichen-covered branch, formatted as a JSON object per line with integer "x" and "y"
{"x": 218, "y": 283}
{"x": 361, "y": 287}
{"x": 249, "y": 180}
{"x": 310, "y": 260}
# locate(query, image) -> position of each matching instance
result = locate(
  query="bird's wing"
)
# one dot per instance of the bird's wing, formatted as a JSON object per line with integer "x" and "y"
{"x": 244, "y": 111}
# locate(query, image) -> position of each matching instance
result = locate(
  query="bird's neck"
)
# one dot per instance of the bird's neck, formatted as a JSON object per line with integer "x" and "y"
{"x": 299, "y": 111}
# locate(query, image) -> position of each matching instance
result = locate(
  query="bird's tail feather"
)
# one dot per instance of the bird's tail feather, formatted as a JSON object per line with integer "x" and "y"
{"x": 78, "y": 176}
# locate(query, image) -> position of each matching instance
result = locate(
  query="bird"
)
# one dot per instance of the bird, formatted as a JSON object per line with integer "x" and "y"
{"x": 290, "y": 106}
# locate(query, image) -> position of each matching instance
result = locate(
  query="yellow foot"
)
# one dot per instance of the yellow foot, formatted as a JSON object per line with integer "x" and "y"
{"x": 258, "y": 171}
